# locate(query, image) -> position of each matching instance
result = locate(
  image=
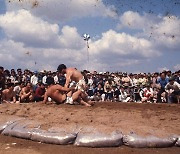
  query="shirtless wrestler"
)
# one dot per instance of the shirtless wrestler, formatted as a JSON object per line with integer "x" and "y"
{"x": 27, "y": 94}
{"x": 8, "y": 95}
{"x": 61, "y": 95}
{"x": 73, "y": 74}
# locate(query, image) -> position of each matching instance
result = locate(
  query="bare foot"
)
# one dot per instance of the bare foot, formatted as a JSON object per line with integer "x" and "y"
{"x": 91, "y": 103}
{"x": 84, "y": 103}
{"x": 88, "y": 105}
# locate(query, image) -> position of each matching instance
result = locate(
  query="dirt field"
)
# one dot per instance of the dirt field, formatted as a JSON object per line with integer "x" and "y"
{"x": 144, "y": 119}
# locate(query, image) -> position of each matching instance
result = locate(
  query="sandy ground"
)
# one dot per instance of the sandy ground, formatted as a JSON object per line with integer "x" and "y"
{"x": 144, "y": 119}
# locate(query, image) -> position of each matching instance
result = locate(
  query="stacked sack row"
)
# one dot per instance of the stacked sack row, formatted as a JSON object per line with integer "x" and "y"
{"x": 27, "y": 129}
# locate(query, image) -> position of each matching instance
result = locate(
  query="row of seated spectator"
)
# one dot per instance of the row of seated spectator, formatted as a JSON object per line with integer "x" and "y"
{"x": 28, "y": 86}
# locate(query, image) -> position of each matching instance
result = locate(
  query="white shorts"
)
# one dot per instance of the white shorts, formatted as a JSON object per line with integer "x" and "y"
{"x": 81, "y": 85}
{"x": 69, "y": 100}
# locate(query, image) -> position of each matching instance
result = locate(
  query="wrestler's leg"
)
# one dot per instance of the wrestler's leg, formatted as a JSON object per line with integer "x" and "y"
{"x": 83, "y": 102}
{"x": 69, "y": 94}
{"x": 31, "y": 97}
{"x": 23, "y": 97}
{"x": 76, "y": 95}
{"x": 84, "y": 96}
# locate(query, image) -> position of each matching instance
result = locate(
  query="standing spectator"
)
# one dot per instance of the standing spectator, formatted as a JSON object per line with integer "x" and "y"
{"x": 62, "y": 80}
{"x": 56, "y": 79}
{"x": 34, "y": 80}
{"x": 135, "y": 80}
{"x": 162, "y": 81}
{"x": 44, "y": 78}
{"x": 19, "y": 75}
{"x": 90, "y": 80}
{"x": 26, "y": 76}
{"x": 49, "y": 79}
{"x": 7, "y": 76}
{"x": 116, "y": 79}
{"x": 155, "y": 80}
{"x": 142, "y": 79}
{"x": 126, "y": 79}
{"x": 101, "y": 82}
{"x": 131, "y": 77}
{"x": 168, "y": 74}
{"x": 13, "y": 76}
{"x": 177, "y": 76}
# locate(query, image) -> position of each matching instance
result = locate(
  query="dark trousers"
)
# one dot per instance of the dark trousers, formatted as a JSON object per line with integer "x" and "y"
{"x": 109, "y": 96}
{"x": 38, "y": 99}
{"x": 137, "y": 97}
{"x": 173, "y": 97}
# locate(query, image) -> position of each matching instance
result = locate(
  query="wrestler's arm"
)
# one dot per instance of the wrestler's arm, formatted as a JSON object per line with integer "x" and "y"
{"x": 14, "y": 97}
{"x": 23, "y": 93}
{"x": 4, "y": 98}
{"x": 68, "y": 79}
{"x": 45, "y": 98}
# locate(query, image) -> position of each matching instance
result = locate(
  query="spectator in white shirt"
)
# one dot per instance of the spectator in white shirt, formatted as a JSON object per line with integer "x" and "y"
{"x": 173, "y": 90}
{"x": 34, "y": 80}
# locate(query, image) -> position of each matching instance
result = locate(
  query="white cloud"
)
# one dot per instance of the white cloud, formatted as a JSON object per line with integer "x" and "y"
{"x": 22, "y": 26}
{"x": 177, "y": 67}
{"x": 112, "y": 51}
{"x": 164, "y": 32}
{"x": 161, "y": 69}
{"x": 124, "y": 45}
{"x": 48, "y": 45}
{"x": 70, "y": 38}
{"x": 14, "y": 55}
{"x": 134, "y": 20}
{"x": 62, "y": 10}
{"x": 167, "y": 32}
{"x": 112, "y": 65}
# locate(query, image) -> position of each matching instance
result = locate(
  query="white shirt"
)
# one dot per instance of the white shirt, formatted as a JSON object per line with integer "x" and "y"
{"x": 17, "y": 90}
{"x": 175, "y": 86}
{"x": 13, "y": 79}
{"x": 56, "y": 79}
{"x": 44, "y": 79}
{"x": 34, "y": 80}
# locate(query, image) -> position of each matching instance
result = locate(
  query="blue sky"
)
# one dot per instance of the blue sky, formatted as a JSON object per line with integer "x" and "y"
{"x": 126, "y": 35}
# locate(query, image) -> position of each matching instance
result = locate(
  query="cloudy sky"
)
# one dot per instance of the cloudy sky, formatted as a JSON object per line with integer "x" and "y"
{"x": 126, "y": 35}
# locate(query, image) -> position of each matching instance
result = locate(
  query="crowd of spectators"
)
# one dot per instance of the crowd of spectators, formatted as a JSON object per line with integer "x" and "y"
{"x": 159, "y": 87}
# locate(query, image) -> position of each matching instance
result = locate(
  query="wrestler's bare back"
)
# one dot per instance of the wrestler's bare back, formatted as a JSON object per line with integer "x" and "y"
{"x": 56, "y": 92}
{"x": 74, "y": 74}
{"x": 8, "y": 95}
